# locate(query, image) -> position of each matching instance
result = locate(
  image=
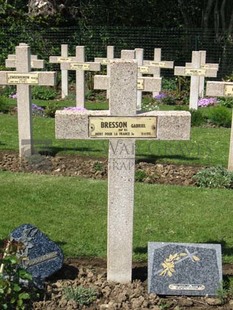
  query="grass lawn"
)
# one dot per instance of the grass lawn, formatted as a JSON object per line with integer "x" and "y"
{"x": 207, "y": 146}
{"x": 73, "y": 212}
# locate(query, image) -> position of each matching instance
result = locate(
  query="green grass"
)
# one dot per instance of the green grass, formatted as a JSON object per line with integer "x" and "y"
{"x": 207, "y": 146}
{"x": 73, "y": 212}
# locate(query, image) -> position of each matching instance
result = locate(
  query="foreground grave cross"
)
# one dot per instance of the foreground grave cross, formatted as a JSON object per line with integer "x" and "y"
{"x": 80, "y": 66}
{"x": 223, "y": 89}
{"x": 64, "y": 73}
{"x": 122, "y": 126}
{"x": 195, "y": 70}
{"x": 23, "y": 78}
{"x": 154, "y": 66}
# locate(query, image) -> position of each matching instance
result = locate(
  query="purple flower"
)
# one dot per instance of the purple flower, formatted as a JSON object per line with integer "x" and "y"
{"x": 160, "y": 96}
{"x": 78, "y": 109}
{"x": 36, "y": 107}
{"x": 205, "y": 102}
{"x": 13, "y": 96}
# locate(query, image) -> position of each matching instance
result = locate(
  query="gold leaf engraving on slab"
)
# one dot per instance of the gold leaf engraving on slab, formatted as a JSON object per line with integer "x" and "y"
{"x": 173, "y": 259}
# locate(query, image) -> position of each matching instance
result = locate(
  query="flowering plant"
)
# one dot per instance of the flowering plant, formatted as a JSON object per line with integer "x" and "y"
{"x": 37, "y": 110}
{"x": 13, "y": 96}
{"x": 160, "y": 96}
{"x": 205, "y": 102}
{"x": 80, "y": 109}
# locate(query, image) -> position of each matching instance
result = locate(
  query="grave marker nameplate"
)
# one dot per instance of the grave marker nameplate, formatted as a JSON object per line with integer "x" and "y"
{"x": 184, "y": 268}
{"x": 24, "y": 78}
{"x": 163, "y": 125}
{"x": 223, "y": 89}
{"x": 40, "y": 256}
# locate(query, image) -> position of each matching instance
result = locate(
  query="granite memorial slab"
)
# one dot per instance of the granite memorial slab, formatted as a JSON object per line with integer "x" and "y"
{"x": 184, "y": 268}
{"x": 39, "y": 255}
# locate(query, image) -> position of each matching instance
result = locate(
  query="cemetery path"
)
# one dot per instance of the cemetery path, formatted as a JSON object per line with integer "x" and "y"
{"x": 91, "y": 272}
{"x": 72, "y": 165}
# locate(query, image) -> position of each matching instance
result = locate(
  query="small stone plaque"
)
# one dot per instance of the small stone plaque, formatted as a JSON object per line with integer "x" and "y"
{"x": 195, "y": 71}
{"x": 158, "y": 63}
{"x": 122, "y": 127}
{"x": 40, "y": 256}
{"x": 22, "y": 78}
{"x": 79, "y": 66}
{"x": 228, "y": 90}
{"x": 105, "y": 61}
{"x": 143, "y": 69}
{"x": 184, "y": 268}
{"x": 64, "y": 59}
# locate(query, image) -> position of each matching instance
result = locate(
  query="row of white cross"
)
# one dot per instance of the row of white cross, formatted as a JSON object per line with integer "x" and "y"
{"x": 23, "y": 61}
{"x": 198, "y": 69}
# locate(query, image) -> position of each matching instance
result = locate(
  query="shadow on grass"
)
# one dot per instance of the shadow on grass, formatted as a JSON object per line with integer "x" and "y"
{"x": 152, "y": 159}
{"x": 53, "y": 151}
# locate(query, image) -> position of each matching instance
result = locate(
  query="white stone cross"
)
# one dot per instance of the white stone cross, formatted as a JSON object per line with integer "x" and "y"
{"x": 80, "y": 66}
{"x": 64, "y": 73}
{"x": 203, "y": 65}
{"x": 106, "y": 61}
{"x": 36, "y": 63}
{"x": 24, "y": 78}
{"x": 195, "y": 70}
{"x": 144, "y": 84}
{"x": 154, "y": 66}
{"x": 223, "y": 89}
{"x": 122, "y": 126}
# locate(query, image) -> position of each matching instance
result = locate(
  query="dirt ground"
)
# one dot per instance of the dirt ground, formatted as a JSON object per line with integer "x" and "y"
{"x": 91, "y": 272}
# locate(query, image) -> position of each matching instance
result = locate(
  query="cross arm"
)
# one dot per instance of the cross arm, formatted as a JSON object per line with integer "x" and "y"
{"x": 143, "y": 83}
{"x": 159, "y": 64}
{"x": 82, "y": 66}
{"x": 171, "y": 125}
{"x": 184, "y": 71}
{"x": 219, "y": 89}
{"x": 39, "y": 78}
{"x": 103, "y": 61}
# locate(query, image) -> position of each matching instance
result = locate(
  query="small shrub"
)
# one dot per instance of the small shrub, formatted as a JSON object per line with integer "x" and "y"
{"x": 80, "y": 294}
{"x": 169, "y": 84}
{"x": 7, "y": 91}
{"x": 50, "y": 109}
{"x": 214, "y": 177}
{"x": 43, "y": 93}
{"x": 4, "y": 107}
{"x": 197, "y": 119}
{"x": 226, "y": 102}
{"x": 164, "y": 98}
{"x": 16, "y": 290}
{"x": 37, "y": 110}
{"x": 98, "y": 166}
{"x": 220, "y": 116}
{"x": 140, "y": 175}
